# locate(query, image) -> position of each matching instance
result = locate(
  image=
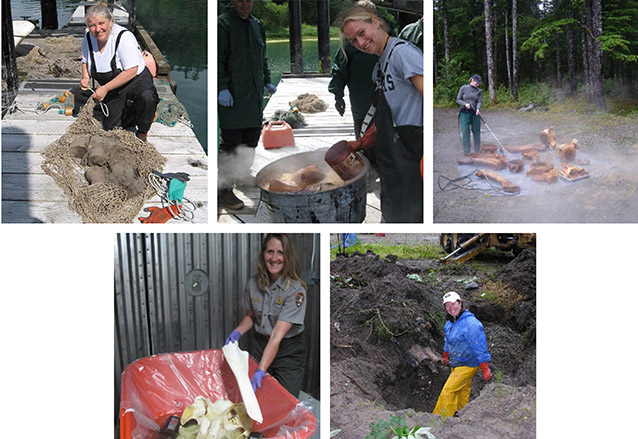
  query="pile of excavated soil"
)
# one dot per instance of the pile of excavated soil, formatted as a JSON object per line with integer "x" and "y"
{"x": 386, "y": 339}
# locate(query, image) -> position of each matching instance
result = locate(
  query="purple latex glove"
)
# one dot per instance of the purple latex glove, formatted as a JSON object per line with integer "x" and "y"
{"x": 256, "y": 379}
{"x": 233, "y": 337}
{"x": 225, "y": 99}
{"x": 271, "y": 88}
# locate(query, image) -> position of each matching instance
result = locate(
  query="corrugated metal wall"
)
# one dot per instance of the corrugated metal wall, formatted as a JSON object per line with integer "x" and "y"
{"x": 157, "y": 312}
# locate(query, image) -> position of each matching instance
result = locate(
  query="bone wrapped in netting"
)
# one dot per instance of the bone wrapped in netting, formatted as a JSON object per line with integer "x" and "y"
{"x": 105, "y": 201}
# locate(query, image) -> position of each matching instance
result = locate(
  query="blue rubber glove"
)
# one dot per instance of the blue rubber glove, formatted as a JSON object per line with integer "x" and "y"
{"x": 271, "y": 88}
{"x": 233, "y": 337}
{"x": 256, "y": 379}
{"x": 225, "y": 98}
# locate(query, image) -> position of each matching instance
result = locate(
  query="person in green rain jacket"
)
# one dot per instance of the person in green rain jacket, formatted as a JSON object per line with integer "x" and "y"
{"x": 354, "y": 70}
{"x": 242, "y": 75}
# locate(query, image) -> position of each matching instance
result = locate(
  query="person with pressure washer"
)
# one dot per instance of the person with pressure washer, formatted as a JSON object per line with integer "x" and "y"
{"x": 470, "y": 98}
{"x": 465, "y": 350}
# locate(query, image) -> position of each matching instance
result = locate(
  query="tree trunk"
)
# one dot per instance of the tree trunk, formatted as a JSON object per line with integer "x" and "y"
{"x": 507, "y": 57}
{"x": 446, "y": 38}
{"x": 514, "y": 52}
{"x": 596, "y": 60}
{"x": 559, "y": 78}
{"x": 583, "y": 40}
{"x": 571, "y": 59}
{"x": 490, "y": 51}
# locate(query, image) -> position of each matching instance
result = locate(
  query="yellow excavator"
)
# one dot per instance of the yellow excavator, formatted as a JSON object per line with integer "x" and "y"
{"x": 464, "y": 246}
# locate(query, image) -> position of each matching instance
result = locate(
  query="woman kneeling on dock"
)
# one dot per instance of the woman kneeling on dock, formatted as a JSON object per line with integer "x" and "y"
{"x": 399, "y": 111}
{"x": 111, "y": 56}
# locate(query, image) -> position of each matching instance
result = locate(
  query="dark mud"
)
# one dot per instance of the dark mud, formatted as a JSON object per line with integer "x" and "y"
{"x": 610, "y": 195}
{"x": 387, "y": 338}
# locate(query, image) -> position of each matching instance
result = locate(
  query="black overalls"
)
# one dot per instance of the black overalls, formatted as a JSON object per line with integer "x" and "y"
{"x": 398, "y": 153}
{"x": 140, "y": 90}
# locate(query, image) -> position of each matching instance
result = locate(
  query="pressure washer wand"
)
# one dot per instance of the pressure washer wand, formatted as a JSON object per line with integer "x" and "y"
{"x": 500, "y": 145}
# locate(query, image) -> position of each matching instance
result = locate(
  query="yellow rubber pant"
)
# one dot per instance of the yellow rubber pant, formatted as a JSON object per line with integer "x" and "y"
{"x": 456, "y": 392}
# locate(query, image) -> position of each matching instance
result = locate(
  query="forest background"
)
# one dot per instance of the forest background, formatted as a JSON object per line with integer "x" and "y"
{"x": 578, "y": 53}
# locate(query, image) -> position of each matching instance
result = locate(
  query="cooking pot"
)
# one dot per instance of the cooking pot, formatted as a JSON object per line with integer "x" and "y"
{"x": 343, "y": 204}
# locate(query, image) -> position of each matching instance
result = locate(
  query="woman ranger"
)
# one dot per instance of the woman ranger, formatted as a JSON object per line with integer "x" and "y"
{"x": 275, "y": 302}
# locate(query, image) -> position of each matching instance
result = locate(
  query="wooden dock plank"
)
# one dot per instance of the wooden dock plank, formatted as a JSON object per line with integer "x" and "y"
{"x": 322, "y": 130}
{"x": 32, "y": 196}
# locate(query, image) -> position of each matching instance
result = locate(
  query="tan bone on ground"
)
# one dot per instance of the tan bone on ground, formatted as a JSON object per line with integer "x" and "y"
{"x": 548, "y": 137}
{"x": 567, "y": 151}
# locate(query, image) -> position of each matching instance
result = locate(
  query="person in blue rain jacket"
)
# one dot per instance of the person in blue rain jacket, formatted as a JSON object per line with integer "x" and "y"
{"x": 465, "y": 350}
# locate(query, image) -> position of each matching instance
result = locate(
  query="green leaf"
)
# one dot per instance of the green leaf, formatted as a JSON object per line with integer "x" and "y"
{"x": 333, "y": 433}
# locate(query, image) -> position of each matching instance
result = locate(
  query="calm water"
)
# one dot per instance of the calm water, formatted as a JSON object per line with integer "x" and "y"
{"x": 279, "y": 56}
{"x": 179, "y": 30}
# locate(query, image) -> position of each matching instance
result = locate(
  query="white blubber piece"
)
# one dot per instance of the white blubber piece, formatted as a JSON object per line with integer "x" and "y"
{"x": 238, "y": 362}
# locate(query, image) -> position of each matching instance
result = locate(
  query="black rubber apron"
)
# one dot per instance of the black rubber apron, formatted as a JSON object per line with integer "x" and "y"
{"x": 82, "y": 96}
{"x": 133, "y": 103}
{"x": 104, "y": 77}
{"x": 398, "y": 153}
{"x": 289, "y": 364}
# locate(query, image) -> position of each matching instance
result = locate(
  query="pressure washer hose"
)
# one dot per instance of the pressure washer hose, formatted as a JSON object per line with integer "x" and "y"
{"x": 463, "y": 177}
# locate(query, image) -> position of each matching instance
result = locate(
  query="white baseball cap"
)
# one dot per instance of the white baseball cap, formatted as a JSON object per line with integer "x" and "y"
{"x": 451, "y": 297}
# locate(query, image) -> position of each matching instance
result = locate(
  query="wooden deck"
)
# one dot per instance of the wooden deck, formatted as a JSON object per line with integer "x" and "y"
{"x": 31, "y": 196}
{"x": 323, "y": 130}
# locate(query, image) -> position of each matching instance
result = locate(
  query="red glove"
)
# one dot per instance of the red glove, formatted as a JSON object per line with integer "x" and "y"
{"x": 446, "y": 359}
{"x": 368, "y": 139}
{"x": 487, "y": 373}
{"x": 159, "y": 215}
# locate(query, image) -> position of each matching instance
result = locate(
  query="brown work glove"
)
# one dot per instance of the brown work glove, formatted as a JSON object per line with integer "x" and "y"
{"x": 368, "y": 139}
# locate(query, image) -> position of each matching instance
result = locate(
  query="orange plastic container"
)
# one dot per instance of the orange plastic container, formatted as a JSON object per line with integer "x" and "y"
{"x": 277, "y": 134}
{"x": 154, "y": 388}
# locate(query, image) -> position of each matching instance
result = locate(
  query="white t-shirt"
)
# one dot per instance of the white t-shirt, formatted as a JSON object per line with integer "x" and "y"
{"x": 128, "y": 52}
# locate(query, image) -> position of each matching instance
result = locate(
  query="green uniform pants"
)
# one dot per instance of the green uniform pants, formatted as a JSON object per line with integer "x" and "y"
{"x": 470, "y": 119}
{"x": 289, "y": 364}
{"x": 456, "y": 391}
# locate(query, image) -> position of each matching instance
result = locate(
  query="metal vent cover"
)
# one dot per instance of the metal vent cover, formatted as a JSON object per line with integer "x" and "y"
{"x": 196, "y": 282}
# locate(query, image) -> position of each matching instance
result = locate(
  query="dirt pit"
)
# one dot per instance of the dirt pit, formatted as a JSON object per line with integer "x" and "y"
{"x": 387, "y": 338}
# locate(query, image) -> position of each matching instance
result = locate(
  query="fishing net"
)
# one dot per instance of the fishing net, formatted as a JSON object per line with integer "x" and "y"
{"x": 170, "y": 111}
{"x": 292, "y": 117}
{"x": 53, "y": 57}
{"x": 125, "y": 165}
{"x": 309, "y": 103}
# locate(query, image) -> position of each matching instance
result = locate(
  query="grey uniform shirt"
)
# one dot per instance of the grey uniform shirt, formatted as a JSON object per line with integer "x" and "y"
{"x": 284, "y": 300}
{"x": 468, "y": 94}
